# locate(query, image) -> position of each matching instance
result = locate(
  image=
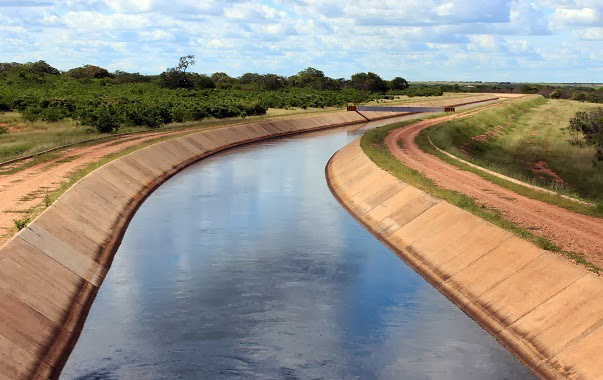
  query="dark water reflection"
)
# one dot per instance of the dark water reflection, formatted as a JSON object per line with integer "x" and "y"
{"x": 245, "y": 266}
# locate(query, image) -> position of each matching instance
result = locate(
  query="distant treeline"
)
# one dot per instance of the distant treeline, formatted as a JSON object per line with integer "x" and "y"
{"x": 108, "y": 100}
{"x": 566, "y": 91}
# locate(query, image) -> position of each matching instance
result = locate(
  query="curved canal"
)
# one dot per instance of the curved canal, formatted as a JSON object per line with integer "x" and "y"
{"x": 245, "y": 266}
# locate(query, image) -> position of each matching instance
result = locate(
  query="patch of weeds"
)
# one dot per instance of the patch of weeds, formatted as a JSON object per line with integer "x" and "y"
{"x": 20, "y": 223}
{"x": 47, "y": 200}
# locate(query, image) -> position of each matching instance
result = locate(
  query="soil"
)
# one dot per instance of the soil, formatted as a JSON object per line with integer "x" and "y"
{"x": 571, "y": 231}
{"x": 542, "y": 169}
{"x": 26, "y": 189}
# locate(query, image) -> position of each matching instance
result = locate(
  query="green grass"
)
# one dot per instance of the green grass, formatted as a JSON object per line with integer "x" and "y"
{"x": 534, "y": 131}
{"x": 373, "y": 144}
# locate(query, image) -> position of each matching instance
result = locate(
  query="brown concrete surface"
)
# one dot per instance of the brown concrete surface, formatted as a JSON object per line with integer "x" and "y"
{"x": 51, "y": 270}
{"x": 545, "y": 310}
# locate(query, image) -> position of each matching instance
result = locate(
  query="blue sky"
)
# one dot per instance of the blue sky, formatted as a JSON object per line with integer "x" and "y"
{"x": 488, "y": 40}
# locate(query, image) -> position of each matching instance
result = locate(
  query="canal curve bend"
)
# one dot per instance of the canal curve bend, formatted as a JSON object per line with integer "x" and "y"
{"x": 544, "y": 309}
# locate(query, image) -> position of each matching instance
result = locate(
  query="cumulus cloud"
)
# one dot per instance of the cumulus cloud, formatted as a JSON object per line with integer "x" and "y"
{"x": 420, "y": 39}
{"x": 572, "y": 17}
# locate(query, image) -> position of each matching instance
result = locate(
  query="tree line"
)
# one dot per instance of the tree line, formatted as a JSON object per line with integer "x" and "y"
{"x": 107, "y": 100}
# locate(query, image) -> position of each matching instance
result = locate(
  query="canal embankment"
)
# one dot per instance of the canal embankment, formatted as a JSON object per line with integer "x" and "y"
{"x": 544, "y": 309}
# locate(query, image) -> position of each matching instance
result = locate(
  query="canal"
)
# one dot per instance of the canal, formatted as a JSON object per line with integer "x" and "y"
{"x": 245, "y": 266}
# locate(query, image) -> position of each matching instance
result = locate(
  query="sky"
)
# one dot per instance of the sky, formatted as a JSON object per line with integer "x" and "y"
{"x": 420, "y": 40}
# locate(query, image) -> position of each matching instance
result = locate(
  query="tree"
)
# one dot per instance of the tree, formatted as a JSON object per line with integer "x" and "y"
{"x": 185, "y": 62}
{"x": 398, "y": 83}
{"x": 250, "y": 78}
{"x": 41, "y": 67}
{"x": 368, "y": 82}
{"x": 272, "y": 82}
{"x": 89, "y": 72}
{"x": 590, "y": 124}
{"x": 309, "y": 77}
{"x": 176, "y": 77}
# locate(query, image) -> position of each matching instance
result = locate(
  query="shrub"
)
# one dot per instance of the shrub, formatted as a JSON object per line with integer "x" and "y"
{"x": 555, "y": 94}
{"x": 579, "y": 96}
{"x": 590, "y": 124}
{"x": 89, "y": 72}
{"x": 52, "y": 114}
{"x": 104, "y": 117}
{"x": 32, "y": 113}
{"x": 21, "y": 223}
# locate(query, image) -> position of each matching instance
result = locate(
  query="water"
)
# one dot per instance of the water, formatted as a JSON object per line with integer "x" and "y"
{"x": 245, "y": 266}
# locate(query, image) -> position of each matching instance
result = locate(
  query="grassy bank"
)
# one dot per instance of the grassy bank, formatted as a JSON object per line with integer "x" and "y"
{"x": 528, "y": 141}
{"x": 373, "y": 144}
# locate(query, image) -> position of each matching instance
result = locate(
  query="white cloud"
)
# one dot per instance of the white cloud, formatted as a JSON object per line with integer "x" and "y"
{"x": 571, "y": 17}
{"x": 590, "y": 34}
{"x": 420, "y": 39}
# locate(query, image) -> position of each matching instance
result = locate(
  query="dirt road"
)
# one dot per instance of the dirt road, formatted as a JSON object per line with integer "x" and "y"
{"x": 26, "y": 189}
{"x": 571, "y": 231}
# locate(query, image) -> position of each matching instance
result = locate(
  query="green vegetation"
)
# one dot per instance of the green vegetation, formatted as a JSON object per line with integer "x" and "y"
{"x": 590, "y": 125}
{"x": 20, "y": 223}
{"x": 373, "y": 144}
{"x": 42, "y": 108}
{"x": 109, "y": 101}
{"x": 529, "y": 141}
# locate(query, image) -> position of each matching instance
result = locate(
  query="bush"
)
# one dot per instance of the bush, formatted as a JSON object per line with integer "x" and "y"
{"x": 52, "y": 114}
{"x": 579, "y": 96}
{"x": 89, "y": 72}
{"x": 104, "y": 117}
{"x": 21, "y": 223}
{"x": 32, "y": 113}
{"x": 555, "y": 94}
{"x": 590, "y": 125}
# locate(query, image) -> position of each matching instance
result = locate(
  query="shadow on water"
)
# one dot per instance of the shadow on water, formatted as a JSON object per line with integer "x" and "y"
{"x": 245, "y": 266}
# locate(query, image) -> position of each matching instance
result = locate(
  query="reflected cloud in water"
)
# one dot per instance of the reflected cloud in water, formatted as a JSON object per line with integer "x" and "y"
{"x": 245, "y": 266}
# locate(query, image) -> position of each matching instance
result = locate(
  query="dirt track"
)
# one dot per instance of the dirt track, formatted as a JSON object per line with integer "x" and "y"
{"x": 571, "y": 231}
{"x": 26, "y": 189}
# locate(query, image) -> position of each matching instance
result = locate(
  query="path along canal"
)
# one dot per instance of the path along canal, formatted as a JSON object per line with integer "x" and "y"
{"x": 245, "y": 266}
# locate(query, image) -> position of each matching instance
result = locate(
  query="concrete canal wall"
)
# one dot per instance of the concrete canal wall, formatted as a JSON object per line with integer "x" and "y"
{"x": 51, "y": 270}
{"x": 544, "y": 309}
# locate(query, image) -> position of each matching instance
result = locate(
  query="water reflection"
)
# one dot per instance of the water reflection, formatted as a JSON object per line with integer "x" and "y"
{"x": 244, "y": 266}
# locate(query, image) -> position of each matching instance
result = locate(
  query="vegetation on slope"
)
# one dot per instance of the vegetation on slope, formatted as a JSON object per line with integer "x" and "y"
{"x": 529, "y": 141}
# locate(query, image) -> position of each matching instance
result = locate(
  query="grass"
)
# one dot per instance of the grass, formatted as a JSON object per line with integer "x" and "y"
{"x": 534, "y": 131}
{"x": 373, "y": 144}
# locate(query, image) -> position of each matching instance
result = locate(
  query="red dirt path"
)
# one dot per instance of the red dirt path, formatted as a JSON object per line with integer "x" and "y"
{"x": 26, "y": 189}
{"x": 571, "y": 231}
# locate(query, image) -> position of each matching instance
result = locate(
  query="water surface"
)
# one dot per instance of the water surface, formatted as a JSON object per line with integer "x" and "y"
{"x": 245, "y": 266}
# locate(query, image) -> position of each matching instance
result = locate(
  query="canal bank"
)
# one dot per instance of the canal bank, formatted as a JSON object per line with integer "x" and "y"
{"x": 544, "y": 309}
{"x": 51, "y": 270}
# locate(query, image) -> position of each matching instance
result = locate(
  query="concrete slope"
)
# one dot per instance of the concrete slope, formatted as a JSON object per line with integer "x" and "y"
{"x": 544, "y": 309}
{"x": 51, "y": 270}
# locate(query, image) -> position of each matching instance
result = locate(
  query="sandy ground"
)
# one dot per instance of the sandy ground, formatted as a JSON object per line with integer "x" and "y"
{"x": 27, "y": 188}
{"x": 571, "y": 231}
